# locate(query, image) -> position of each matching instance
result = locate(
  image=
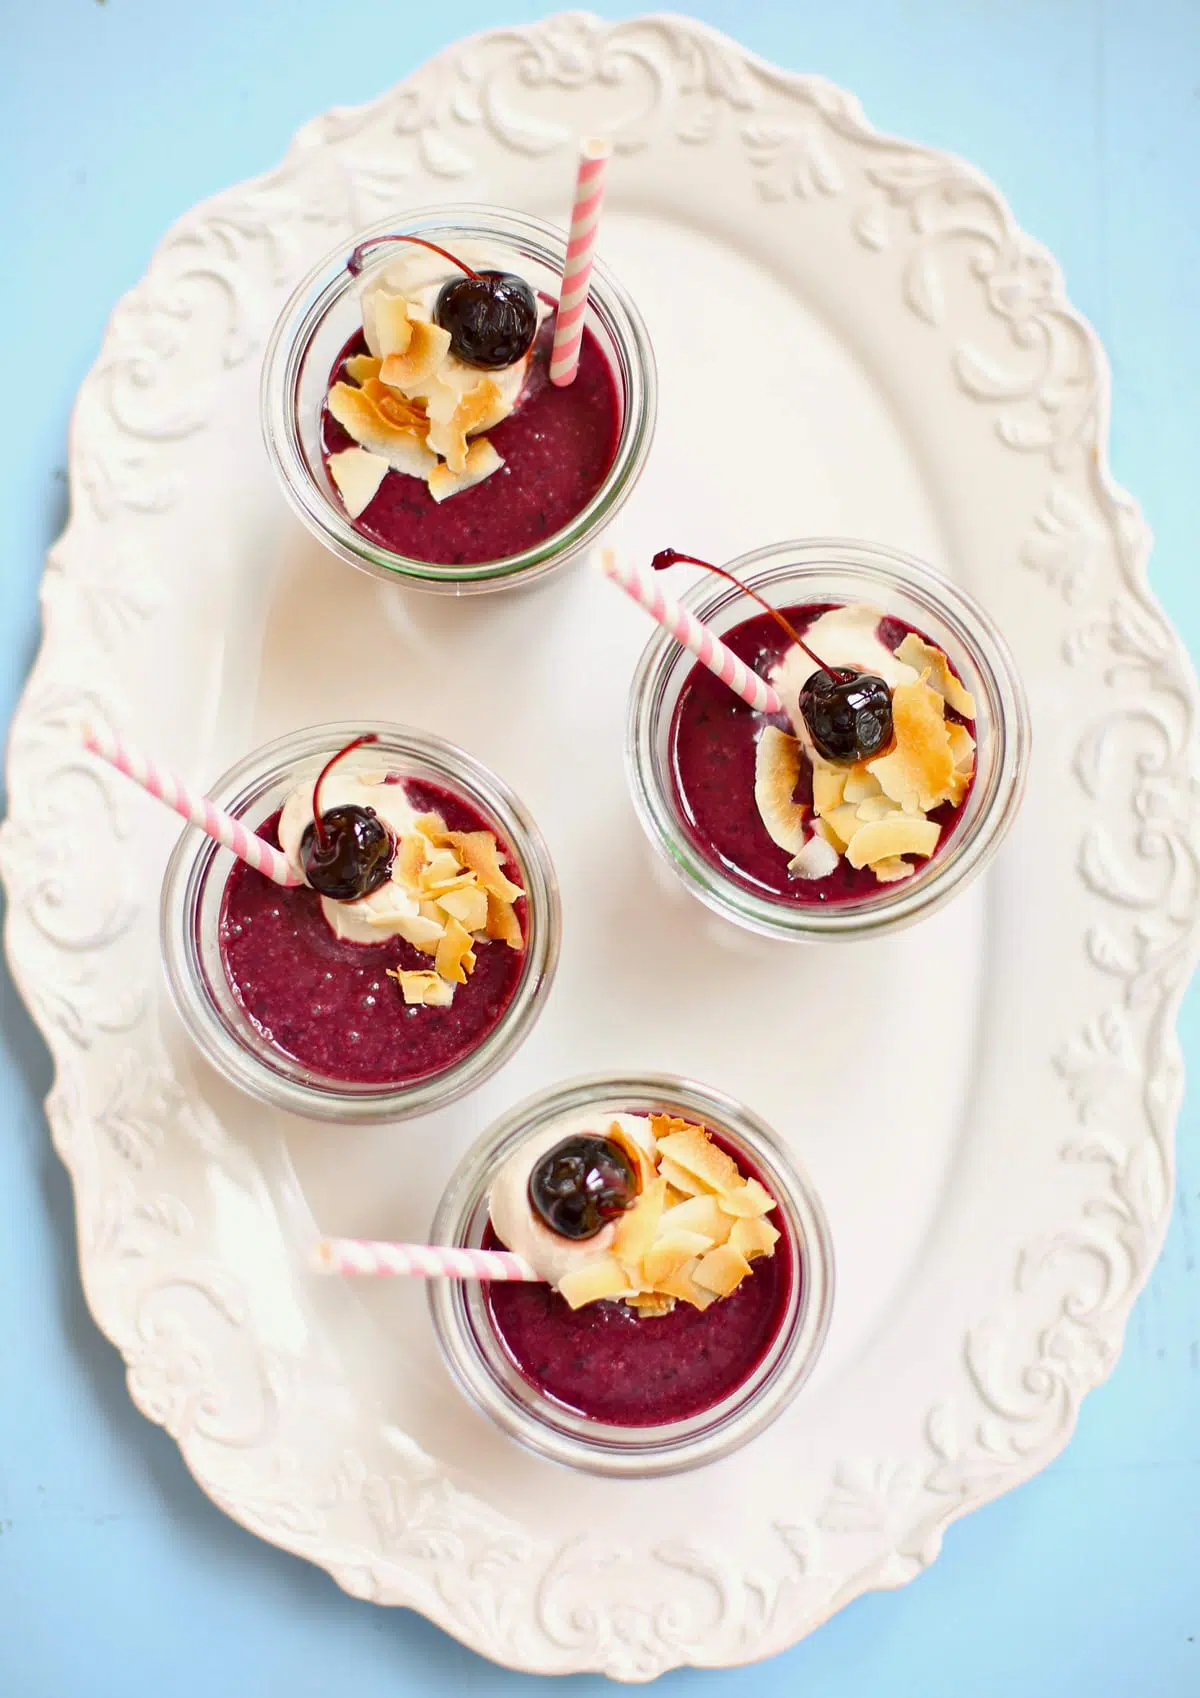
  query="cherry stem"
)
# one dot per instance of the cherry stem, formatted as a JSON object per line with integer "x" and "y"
{"x": 355, "y": 263}
{"x": 318, "y": 826}
{"x": 668, "y": 557}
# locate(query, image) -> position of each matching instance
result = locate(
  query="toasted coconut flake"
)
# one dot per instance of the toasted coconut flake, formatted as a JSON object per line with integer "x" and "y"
{"x": 400, "y": 446}
{"x": 412, "y": 370}
{"x": 892, "y": 870}
{"x": 502, "y": 922}
{"x": 415, "y": 928}
{"x": 640, "y": 1158}
{"x": 923, "y": 657}
{"x": 861, "y": 784}
{"x": 877, "y": 808}
{"x": 454, "y": 955}
{"x": 776, "y": 775}
{"x": 393, "y": 329}
{"x": 681, "y": 1284}
{"x": 423, "y": 988}
{"x": 842, "y": 824}
{"x": 678, "y": 1178}
{"x": 469, "y": 906}
{"x": 962, "y": 748}
{"x": 477, "y": 850}
{"x": 605, "y": 1277}
{"x": 747, "y": 1200}
{"x": 410, "y": 859}
{"x": 753, "y": 1238}
{"x": 442, "y": 868}
{"x": 817, "y": 859}
{"x": 651, "y": 1303}
{"x": 361, "y": 368}
{"x": 432, "y": 826}
{"x": 692, "y": 1149}
{"x": 823, "y": 830}
{"x": 669, "y": 1253}
{"x": 637, "y": 1226}
{"x": 482, "y": 460}
{"x": 829, "y": 784}
{"x": 472, "y": 412}
{"x": 721, "y": 1270}
{"x": 358, "y": 476}
{"x": 902, "y": 834}
{"x": 702, "y": 1214}
{"x": 918, "y": 771}
{"x": 397, "y": 409}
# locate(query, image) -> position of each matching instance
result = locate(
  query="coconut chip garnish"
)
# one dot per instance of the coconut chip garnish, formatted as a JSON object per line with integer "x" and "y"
{"x": 876, "y": 814}
{"x": 457, "y": 905}
{"x": 697, "y": 1226}
{"x": 412, "y": 406}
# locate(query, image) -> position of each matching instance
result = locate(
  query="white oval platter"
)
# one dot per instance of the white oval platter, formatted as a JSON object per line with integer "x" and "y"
{"x": 853, "y": 338}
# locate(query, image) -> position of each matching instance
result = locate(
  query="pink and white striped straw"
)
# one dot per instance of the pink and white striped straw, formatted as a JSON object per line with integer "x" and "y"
{"x": 594, "y": 155}
{"x": 419, "y": 1261}
{"x": 687, "y": 629}
{"x": 220, "y": 826}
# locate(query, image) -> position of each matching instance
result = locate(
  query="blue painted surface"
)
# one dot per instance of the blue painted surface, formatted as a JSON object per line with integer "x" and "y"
{"x": 116, "y": 1575}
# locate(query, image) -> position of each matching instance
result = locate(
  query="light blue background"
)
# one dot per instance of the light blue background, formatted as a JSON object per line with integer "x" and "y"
{"x": 116, "y": 1576}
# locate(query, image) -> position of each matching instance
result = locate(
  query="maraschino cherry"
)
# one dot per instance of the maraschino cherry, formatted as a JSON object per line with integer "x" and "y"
{"x": 346, "y": 852}
{"x": 581, "y": 1184}
{"x": 848, "y": 713}
{"x": 491, "y": 315}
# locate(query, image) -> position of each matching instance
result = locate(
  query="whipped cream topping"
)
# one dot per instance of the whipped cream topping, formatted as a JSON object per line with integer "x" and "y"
{"x": 845, "y": 636}
{"x": 512, "y": 1214}
{"x": 389, "y": 911}
{"x": 417, "y": 275}
{"x": 875, "y": 812}
{"x": 411, "y": 405}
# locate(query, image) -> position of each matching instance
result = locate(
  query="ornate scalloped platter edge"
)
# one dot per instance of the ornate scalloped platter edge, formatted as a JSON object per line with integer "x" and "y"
{"x": 380, "y": 1516}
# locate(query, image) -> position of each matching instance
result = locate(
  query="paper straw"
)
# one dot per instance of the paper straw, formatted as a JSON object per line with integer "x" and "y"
{"x": 687, "y": 629}
{"x": 577, "y": 267}
{"x": 419, "y": 1261}
{"x": 220, "y": 826}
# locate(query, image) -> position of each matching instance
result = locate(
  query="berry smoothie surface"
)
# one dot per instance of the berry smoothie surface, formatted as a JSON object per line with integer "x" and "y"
{"x": 712, "y": 751}
{"x": 328, "y": 1003}
{"x": 612, "y": 1365}
{"x": 557, "y": 448}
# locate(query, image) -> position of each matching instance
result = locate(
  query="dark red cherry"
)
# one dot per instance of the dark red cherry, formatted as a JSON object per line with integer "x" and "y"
{"x": 352, "y": 857}
{"x": 848, "y": 714}
{"x": 346, "y": 852}
{"x": 491, "y": 315}
{"x": 581, "y": 1184}
{"x": 492, "y": 318}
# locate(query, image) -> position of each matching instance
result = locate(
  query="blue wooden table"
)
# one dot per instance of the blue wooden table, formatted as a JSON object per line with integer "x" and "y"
{"x": 116, "y": 1575}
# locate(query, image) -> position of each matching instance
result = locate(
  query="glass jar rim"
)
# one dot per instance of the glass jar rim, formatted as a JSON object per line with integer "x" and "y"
{"x": 195, "y": 858}
{"x": 329, "y": 281}
{"x": 674, "y": 1447}
{"x": 807, "y": 561}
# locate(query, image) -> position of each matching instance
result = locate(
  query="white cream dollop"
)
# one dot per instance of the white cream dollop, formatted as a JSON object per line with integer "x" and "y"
{"x": 513, "y": 1217}
{"x": 845, "y": 636}
{"x": 418, "y": 275}
{"x": 387, "y": 912}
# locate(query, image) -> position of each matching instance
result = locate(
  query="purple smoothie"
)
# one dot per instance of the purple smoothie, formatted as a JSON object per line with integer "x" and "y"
{"x": 328, "y": 1003}
{"x": 557, "y": 447}
{"x": 712, "y": 751}
{"x": 608, "y": 1363}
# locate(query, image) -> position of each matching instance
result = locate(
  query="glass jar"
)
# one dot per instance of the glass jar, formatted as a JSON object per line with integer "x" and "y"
{"x": 823, "y": 572}
{"x": 194, "y": 886}
{"x": 323, "y": 314}
{"x": 487, "y": 1374}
